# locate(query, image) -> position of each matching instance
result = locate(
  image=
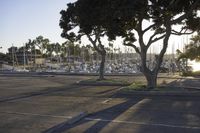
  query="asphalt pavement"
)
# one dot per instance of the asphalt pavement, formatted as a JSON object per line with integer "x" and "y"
{"x": 56, "y": 104}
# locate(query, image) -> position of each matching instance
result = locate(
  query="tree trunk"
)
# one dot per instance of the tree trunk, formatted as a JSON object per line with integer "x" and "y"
{"x": 151, "y": 79}
{"x": 101, "y": 50}
{"x": 102, "y": 66}
{"x": 151, "y": 76}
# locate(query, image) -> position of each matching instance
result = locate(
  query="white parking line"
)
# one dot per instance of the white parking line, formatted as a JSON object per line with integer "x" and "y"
{"x": 107, "y": 100}
{"x": 142, "y": 123}
{"x": 42, "y": 115}
{"x": 107, "y": 120}
{"x": 77, "y": 117}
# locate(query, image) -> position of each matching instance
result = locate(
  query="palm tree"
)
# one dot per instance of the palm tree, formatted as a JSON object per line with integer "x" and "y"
{"x": 50, "y": 50}
{"x": 30, "y": 47}
{"x": 57, "y": 50}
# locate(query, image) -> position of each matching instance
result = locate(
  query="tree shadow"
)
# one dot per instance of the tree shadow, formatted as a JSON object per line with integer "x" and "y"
{"x": 107, "y": 115}
{"x": 48, "y": 90}
{"x": 177, "y": 114}
{"x": 186, "y": 83}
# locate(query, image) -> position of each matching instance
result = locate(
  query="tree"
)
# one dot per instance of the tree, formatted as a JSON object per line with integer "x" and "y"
{"x": 50, "y": 50}
{"x": 85, "y": 18}
{"x": 42, "y": 43}
{"x": 12, "y": 53}
{"x": 192, "y": 50}
{"x": 57, "y": 48}
{"x": 134, "y": 19}
{"x": 5, "y": 57}
{"x": 85, "y": 53}
{"x": 64, "y": 49}
{"x": 30, "y": 45}
{"x": 71, "y": 47}
{"x": 12, "y": 50}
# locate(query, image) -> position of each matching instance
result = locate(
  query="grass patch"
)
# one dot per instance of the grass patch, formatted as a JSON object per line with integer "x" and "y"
{"x": 189, "y": 73}
{"x": 138, "y": 86}
{"x": 169, "y": 89}
{"x": 104, "y": 82}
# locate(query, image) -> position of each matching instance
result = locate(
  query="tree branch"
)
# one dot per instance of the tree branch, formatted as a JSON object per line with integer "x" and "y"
{"x": 94, "y": 42}
{"x": 152, "y": 39}
{"x": 133, "y": 46}
{"x": 101, "y": 46}
{"x": 182, "y": 17}
{"x": 140, "y": 34}
{"x": 148, "y": 28}
{"x": 174, "y": 32}
{"x": 165, "y": 44}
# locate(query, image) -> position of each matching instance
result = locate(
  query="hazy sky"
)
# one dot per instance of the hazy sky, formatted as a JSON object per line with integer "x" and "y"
{"x": 26, "y": 19}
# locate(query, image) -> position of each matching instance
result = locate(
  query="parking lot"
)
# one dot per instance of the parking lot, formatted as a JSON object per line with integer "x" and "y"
{"x": 53, "y": 104}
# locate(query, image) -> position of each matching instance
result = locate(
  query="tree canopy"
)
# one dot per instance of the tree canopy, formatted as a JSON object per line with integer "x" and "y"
{"x": 80, "y": 19}
{"x": 192, "y": 50}
{"x": 132, "y": 20}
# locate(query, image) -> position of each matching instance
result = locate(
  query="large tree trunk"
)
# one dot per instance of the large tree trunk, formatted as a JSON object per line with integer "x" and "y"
{"x": 151, "y": 79}
{"x": 150, "y": 75}
{"x": 102, "y": 66}
{"x": 101, "y": 50}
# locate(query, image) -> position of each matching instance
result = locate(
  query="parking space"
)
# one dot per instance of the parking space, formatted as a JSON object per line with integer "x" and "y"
{"x": 49, "y": 104}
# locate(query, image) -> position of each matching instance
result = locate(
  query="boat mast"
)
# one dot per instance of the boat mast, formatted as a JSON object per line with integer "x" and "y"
{"x": 13, "y": 56}
{"x": 24, "y": 55}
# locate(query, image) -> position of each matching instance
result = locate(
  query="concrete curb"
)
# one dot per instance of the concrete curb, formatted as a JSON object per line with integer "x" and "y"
{"x": 67, "y": 73}
{"x": 157, "y": 93}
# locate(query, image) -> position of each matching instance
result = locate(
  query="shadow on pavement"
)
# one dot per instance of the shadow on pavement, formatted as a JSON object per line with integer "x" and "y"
{"x": 110, "y": 114}
{"x": 190, "y": 84}
{"x": 48, "y": 90}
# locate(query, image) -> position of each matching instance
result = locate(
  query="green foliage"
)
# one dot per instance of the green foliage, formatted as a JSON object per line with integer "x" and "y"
{"x": 127, "y": 18}
{"x": 137, "y": 86}
{"x": 124, "y": 18}
{"x": 170, "y": 89}
{"x": 141, "y": 87}
{"x": 30, "y": 45}
{"x": 39, "y": 45}
{"x": 192, "y": 50}
{"x": 5, "y": 57}
{"x": 12, "y": 50}
{"x": 190, "y": 73}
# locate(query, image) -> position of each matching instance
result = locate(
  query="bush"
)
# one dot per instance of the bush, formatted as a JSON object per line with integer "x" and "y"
{"x": 190, "y": 73}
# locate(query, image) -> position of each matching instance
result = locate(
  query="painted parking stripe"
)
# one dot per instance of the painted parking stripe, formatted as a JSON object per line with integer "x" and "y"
{"x": 107, "y": 120}
{"x": 142, "y": 123}
{"x": 42, "y": 115}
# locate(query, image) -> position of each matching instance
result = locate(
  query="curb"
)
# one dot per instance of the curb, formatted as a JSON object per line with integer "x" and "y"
{"x": 156, "y": 93}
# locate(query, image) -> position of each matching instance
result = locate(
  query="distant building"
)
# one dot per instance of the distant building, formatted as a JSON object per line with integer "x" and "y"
{"x": 21, "y": 58}
{"x": 72, "y": 59}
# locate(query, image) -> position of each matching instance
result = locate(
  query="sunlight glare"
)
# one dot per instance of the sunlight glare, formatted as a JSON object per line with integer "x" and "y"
{"x": 195, "y": 66}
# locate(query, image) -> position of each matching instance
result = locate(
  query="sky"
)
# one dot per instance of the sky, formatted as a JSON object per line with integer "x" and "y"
{"x": 26, "y": 19}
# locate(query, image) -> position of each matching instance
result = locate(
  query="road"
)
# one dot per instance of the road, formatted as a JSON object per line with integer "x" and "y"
{"x": 56, "y": 104}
